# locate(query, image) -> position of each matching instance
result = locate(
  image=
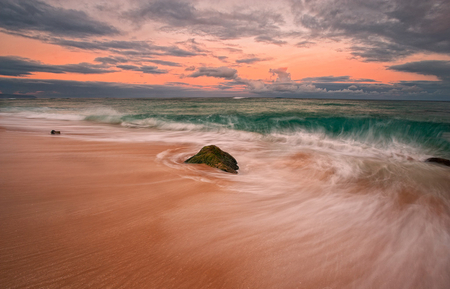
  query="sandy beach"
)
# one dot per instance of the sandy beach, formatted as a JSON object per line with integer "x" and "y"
{"x": 106, "y": 206}
{"x": 94, "y": 215}
{"x": 225, "y": 144}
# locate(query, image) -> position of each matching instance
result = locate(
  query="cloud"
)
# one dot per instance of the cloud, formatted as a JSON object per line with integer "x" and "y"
{"x": 163, "y": 62}
{"x": 280, "y": 88}
{"x": 282, "y": 74}
{"x": 375, "y": 31}
{"x": 269, "y": 39}
{"x": 222, "y": 58}
{"x": 420, "y": 90}
{"x": 128, "y": 67}
{"x": 183, "y": 15}
{"x": 31, "y": 16}
{"x": 17, "y": 66}
{"x": 152, "y": 70}
{"x": 339, "y": 87}
{"x": 177, "y": 83}
{"x": 175, "y": 51}
{"x": 232, "y": 50}
{"x": 79, "y": 89}
{"x": 190, "y": 68}
{"x": 192, "y": 45}
{"x": 431, "y": 87}
{"x": 439, "y": 68}
{"x": 127, "y": 48}
{"x": 379, "y": 51}
{"x": 283, "y": 84}
{"x": 304, "y": 44}
{"x": 379, "y": 30}
{"x": 112, "y": 45}
{"x": 218, "y": 72}
{"x": 144, "y": 69}
{"x": 251, "y": 60}
{"x": 111, "y": 60}
{"x": 344, "y": 78}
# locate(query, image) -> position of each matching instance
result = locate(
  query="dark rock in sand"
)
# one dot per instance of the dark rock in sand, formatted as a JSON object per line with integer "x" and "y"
{"x": 55, "y": 132}
{"x": 439, "y": 161}
{"x": 216, "y": 158}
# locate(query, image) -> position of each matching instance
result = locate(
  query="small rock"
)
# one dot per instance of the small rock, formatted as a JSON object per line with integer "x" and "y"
{"x": 440, "y": 161}
{"x": 216, "y": 158}
{"x": 55, "y": 132}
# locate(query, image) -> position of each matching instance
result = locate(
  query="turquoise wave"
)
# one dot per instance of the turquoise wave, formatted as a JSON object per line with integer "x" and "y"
{"x": 370, "y": 130}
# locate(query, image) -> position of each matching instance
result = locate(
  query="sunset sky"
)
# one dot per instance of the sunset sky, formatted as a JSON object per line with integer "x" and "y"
{"x": 377, "y": 49}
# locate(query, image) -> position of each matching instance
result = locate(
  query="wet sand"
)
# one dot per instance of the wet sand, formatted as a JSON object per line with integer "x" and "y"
{"x": 86, "y": 214}
{"x": 79, "y": 214}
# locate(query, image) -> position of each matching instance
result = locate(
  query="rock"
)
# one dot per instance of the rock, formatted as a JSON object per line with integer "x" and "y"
{"x": 216, "y": 158}
{"x": 55, "y": 132}
{"x": 440, "y": 161}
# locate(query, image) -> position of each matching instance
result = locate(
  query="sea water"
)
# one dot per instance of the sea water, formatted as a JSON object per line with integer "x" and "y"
{"x": 338, "y": 188}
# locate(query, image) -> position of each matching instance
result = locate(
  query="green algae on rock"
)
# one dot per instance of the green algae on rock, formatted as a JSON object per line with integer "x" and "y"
{"x": 216, "y": 158}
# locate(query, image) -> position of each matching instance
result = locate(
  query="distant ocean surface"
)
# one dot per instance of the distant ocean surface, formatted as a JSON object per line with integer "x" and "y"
{"x": 345, "y": 181}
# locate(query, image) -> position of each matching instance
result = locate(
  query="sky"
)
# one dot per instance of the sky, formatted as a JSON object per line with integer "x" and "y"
{"x": 356, "y": 49}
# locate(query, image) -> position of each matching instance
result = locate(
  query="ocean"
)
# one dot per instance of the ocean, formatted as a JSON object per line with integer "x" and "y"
{"x": 340, "y": 188}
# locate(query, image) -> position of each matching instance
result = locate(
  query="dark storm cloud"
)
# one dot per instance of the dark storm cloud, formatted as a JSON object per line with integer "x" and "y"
{"x": 439, "y": 68}
{"x": 27, "y": 16}
{"x": 17, "y": 66}
{"x": 344, "y": 78}
{"x": 380, "y": 30}
{"x": 218, "y": 72}
{"x": 182, "y": 15}
{"x": 144, "y": 69}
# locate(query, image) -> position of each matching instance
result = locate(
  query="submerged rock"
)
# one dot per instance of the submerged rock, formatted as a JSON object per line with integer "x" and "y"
{"x": 55, "y": 132}
{"x": 440, "y": 161}
{"x": 216, "y": 158}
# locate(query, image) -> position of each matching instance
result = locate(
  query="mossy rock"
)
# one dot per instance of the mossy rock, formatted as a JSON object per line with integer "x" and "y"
{"x": 216, "y": 158}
